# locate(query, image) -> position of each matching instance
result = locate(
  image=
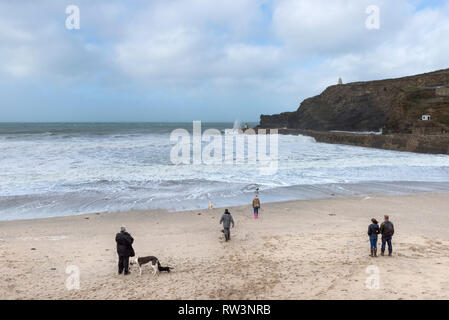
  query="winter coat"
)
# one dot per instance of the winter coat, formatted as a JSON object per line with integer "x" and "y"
{"x": 373, "y": 230}
{"x": 256, "y": 203}
{"x": 227, "y": 220}
{"x": 387, "y": 229}
{"x": 124, "y": 244}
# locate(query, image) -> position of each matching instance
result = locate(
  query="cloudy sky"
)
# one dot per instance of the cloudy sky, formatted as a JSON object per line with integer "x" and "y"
{"x": 207, "y": 60}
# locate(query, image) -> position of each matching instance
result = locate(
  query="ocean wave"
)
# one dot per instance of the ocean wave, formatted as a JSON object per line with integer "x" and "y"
{"x": 84, "y": 168}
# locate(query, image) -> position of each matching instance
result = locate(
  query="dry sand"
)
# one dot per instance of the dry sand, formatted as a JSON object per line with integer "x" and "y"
{"x": 316, "y": 249}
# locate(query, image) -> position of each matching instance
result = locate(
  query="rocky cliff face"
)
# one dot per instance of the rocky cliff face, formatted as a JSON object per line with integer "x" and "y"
{"x": 395, "y": 105}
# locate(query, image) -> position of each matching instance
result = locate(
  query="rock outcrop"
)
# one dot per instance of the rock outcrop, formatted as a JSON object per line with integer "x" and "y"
{"x": 394, "y": 105}
{"x": 432, "y": 144}
{"x": 419, "y": 143}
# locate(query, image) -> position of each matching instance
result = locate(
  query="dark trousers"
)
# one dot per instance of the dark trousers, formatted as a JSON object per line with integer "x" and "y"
{"x": 227, "y": 233}
{"x": 123, "y": 264}
{"x": 384, "y": 241}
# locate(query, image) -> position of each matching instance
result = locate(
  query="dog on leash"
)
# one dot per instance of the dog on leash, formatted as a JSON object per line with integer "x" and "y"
{"x": 154, "y": 263}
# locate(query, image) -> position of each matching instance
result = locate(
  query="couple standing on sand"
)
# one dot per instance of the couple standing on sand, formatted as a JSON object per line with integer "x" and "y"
{"x": 387, "y": 231}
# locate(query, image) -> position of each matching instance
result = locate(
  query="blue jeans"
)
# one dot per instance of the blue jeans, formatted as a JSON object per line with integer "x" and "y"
{"x": 256, "y": 210}
{"x": 384, "y": 241}
{"x": 373, "y": 241}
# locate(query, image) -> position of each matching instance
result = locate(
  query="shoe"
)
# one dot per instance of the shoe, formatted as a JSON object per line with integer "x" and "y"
{"x": 382, "y": 253}
{"x": 127, "y": 273}
{"x": 390, "y": 253}
{"x": 375, "y": 252}
{"x": 372, "y": 253}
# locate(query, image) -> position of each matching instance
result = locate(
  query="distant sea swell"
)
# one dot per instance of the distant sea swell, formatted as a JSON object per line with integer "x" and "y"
{"x": 53, "y": 169}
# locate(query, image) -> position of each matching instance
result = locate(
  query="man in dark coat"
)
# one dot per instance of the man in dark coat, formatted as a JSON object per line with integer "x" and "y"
{"x": 387, "y": 231}
{"x": 124, "y": 250}
{"x": 227, "y": 220}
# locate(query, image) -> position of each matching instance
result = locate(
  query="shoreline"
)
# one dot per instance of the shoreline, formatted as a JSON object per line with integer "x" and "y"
{"x": 290, "y": 193}
{"x": 309, "y": 249}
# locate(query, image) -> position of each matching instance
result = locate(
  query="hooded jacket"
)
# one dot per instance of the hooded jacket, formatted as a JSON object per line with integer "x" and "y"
{"x": 227, "y": 220}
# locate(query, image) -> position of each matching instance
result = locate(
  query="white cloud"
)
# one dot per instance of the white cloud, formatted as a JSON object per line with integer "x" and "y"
{"x": 280, "y": 50}
{"x": 420, "y": 46}
{"x": 192, "y": 41}
{"x": 35, "y": 46}
{"x": 324, "y": 27}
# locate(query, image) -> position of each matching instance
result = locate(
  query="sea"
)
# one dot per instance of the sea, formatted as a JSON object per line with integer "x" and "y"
{"x": 60, "y": 169}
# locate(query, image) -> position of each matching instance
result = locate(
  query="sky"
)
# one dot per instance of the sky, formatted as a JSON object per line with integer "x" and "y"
{"x": 206, "y": 60}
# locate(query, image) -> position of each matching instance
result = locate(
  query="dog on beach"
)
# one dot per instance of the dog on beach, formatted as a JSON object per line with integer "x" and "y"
{"x": 154, "y": 263}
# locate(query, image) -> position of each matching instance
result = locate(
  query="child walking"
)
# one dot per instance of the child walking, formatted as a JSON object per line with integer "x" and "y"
{"x": 256, "y": 206}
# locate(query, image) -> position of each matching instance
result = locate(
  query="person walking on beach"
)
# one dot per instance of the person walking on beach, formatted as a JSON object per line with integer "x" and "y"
{"x": 256, "y": 206}
{"x": 373, "y": 231}
{"x": 227, "y": 220}
{"x": 387, "y": 231}
{"x": 124, "y": 250}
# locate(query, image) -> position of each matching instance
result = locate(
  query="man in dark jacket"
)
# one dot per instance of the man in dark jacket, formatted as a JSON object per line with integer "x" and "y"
{"x": 124, "y": 250}
{"x": 387, "y": 231}
{"x": 227, "y": 220}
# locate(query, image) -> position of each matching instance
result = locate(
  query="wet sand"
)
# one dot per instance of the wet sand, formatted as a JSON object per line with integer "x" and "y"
{"x": 312, "y": 249}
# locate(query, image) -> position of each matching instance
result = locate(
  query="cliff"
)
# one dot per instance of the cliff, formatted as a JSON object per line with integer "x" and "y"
{"x": 394, "y": 105}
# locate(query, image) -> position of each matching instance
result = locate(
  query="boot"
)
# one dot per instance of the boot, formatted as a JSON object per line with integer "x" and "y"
{"x": 375, "y": 252}
{"x": 390, "y": 252}
{"x": 382, "y": 253}
{"x": 372, "y": 253}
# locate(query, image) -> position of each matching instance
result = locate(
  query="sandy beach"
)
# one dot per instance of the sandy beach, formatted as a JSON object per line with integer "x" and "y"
{"x": 314, "y": 249}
